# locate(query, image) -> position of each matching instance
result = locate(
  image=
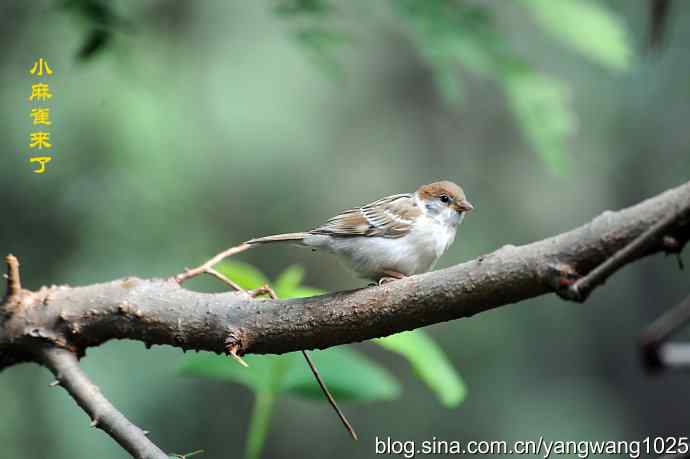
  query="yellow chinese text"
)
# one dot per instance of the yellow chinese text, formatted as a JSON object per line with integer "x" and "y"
{"x": 39, "y": 66}
{"x": 40, "y": 140}
{"x": 40, "y": 91}
{"x": 42, "y": 160}
{"x": 41, "y": 116}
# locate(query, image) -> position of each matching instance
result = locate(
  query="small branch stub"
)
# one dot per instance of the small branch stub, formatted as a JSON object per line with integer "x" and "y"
{"x": 14, "y": 284}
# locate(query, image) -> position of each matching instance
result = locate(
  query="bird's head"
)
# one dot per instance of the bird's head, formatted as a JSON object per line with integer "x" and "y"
{"x": 444, "y": 200}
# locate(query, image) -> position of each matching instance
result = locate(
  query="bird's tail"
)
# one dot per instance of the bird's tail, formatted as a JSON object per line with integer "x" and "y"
{"x": 287, "y": 237}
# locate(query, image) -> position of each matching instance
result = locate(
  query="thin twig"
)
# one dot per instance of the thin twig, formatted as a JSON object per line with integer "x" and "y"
{"x": 104, "y": 415}
{"x": 222, "y": 277}
{"x": 583, "y": 287}
{"x": 14, "y": 284}
{"x": 328, "y": 395}
{"x": 656, "y": 353}
{"x": 205, "y": 267}
{"x": 268, "y": 290}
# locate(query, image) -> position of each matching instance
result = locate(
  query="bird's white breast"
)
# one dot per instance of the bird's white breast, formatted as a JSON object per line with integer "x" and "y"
{"x": 370, "y": 257}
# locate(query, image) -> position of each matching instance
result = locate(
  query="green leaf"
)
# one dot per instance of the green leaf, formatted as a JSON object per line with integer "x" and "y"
{"x": 287, "y": 285}
{"x": 349, "y": 375}
{"x": 244, "y": 274}
{"x": 304, "y": 292}
{"x": 586, "y": 26}
{"x": 288, "y": 280}
{"x": 541, "y": 106}
{"x": 429, "y": 363}
{"x": 257, "y": 377}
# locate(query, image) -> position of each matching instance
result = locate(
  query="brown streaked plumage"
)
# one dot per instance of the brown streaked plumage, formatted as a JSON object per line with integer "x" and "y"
{"x": 391, "y": 216}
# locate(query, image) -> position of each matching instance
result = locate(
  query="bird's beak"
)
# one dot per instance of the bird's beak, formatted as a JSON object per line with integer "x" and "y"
{"x": 463, "y": 206}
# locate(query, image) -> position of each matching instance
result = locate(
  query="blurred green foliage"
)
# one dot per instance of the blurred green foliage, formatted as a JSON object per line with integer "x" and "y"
{"x": 606, "y": 40}
{"x": 452, "y": 35}
{"x": 349, "y": 375}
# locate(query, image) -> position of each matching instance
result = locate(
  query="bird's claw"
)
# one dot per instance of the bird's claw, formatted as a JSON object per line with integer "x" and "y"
{"x": 385, "y": 280}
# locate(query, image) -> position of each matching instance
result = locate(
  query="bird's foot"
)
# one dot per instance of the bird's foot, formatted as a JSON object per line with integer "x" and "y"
{"x": 390, "y": 276}
{"x": 386, "y": 279}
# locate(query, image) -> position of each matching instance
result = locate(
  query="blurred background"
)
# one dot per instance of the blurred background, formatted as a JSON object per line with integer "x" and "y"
{"x": 182, "y": 128}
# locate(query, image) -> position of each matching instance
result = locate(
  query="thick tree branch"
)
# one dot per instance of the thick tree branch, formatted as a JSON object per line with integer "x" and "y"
{"x": 103, "y": 414}
{"x": 159, "y": 311}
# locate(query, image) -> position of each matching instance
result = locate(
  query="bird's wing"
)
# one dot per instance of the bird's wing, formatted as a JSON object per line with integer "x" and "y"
{"x": 391, "y": 217}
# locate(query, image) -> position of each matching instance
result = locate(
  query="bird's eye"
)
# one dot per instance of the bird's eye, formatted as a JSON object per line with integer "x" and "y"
{"x": 445, "y": 199}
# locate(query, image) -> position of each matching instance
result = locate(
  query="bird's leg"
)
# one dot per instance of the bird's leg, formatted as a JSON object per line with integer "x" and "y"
{"x": 390, "y": 276}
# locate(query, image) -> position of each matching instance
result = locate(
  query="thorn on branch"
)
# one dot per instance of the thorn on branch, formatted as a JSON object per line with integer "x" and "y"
{"x": 233, "y": 353}
{"x": 188, "y": 455}
{"x": 232, "y": 348}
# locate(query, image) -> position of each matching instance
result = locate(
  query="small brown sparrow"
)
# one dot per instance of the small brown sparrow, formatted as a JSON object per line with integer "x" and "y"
{"x": 394, "y": 237}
